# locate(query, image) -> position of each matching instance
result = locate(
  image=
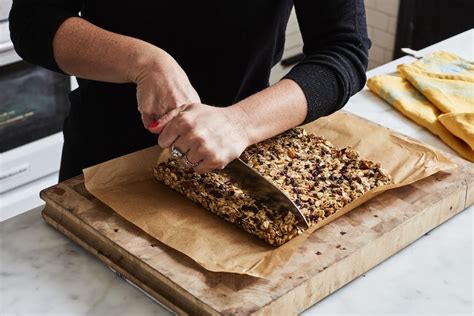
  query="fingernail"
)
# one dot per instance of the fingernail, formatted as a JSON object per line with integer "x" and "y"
{"x": 154, "y": 124}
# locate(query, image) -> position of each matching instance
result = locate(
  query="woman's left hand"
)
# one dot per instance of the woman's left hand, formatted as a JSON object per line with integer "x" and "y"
{"x": 207, "y": 135}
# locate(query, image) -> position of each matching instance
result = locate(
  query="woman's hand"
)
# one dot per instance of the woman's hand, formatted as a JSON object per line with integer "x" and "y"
{"x": 208, "y": 135}
{"x": 162, "y": 85}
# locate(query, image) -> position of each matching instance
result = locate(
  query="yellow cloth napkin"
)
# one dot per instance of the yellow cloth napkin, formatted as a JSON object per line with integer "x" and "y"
{"x": 410, "y": 102}
{"x": 461, "y": 125}
{"x": 437, "y": 92}
{"x": 448, "y": 82}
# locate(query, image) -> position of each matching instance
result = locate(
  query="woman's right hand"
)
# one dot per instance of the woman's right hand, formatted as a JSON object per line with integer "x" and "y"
{"x": 162, "y": 86}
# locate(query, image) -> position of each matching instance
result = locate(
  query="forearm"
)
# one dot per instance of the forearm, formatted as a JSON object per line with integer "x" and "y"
{"x": 272, "y": 110}
{"x": 87, "y": 51}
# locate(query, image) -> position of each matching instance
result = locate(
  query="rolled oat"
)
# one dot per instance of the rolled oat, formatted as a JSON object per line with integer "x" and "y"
{"x": 319, "y": 177}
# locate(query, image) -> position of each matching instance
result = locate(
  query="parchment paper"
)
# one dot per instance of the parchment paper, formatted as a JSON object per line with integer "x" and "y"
{"x": 126, "y": 184}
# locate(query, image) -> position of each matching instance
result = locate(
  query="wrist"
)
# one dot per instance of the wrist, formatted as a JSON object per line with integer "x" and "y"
{"x": 241, "y": 118}
{"x": 147, "y": 58}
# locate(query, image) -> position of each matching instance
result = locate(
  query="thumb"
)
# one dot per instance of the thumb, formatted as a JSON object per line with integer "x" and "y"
{"x": 147, "y": 120}
{"x": 159, "y": 124}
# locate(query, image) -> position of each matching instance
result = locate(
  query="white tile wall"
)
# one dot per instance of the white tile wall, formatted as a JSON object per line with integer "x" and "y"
{"x": 293, "y": 46}
{"x": 382, "y": 18}
{"x": 389, "y": 7}
{"x": 381, "y": 25}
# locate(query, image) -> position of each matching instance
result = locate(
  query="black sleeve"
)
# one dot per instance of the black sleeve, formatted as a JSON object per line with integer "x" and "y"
{"x": 336, "y": 48}
{"x": 33, "y": 24}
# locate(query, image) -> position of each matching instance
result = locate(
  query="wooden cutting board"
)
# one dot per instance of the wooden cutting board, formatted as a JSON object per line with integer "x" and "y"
{"x": 333, "y": 256}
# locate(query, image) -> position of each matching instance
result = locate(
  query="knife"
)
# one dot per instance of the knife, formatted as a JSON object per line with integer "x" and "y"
{"x": 261, "y": 189}
{"x": 255, "y": 185}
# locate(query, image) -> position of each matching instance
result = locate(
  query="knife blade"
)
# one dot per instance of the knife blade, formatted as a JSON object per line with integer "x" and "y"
{"x": 261, "y": 189}
{"x": 257, "y": 186}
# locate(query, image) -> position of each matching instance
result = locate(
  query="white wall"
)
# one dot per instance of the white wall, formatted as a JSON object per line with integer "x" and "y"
{"x": 293, "y": 46}
{"x": 381, "y": 25}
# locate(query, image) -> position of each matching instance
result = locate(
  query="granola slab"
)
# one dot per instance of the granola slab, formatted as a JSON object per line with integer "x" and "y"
{"x": 319, "y": 177}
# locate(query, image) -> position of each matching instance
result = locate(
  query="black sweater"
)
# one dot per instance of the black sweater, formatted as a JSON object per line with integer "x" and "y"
{"x": 227, "y": 49}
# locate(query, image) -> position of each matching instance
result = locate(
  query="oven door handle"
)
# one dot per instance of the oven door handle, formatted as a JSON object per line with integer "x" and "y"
{"x": 6, "y": 46}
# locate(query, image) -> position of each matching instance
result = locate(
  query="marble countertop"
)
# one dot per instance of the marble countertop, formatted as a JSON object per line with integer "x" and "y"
{"x": 43, "y": 272}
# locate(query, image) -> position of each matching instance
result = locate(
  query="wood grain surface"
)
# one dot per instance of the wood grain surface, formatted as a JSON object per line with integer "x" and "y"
{"x": 333, "y": 256}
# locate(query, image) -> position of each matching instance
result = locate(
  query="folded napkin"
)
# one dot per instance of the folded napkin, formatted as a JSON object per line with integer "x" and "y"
{"x": 437, "y": 92}
{"x": 461, "y": 125}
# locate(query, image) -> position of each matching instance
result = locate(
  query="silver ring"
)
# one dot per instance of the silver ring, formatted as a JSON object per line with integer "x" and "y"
{"x": 175, "y": 153}
{"x": 186, "y": 160}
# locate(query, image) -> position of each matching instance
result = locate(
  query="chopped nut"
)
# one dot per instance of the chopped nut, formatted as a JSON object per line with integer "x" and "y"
{"x": 291, "y": 153}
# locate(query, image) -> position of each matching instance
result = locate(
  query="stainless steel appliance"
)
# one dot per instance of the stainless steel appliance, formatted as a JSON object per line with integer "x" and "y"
{"x": 33, "y": 105}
